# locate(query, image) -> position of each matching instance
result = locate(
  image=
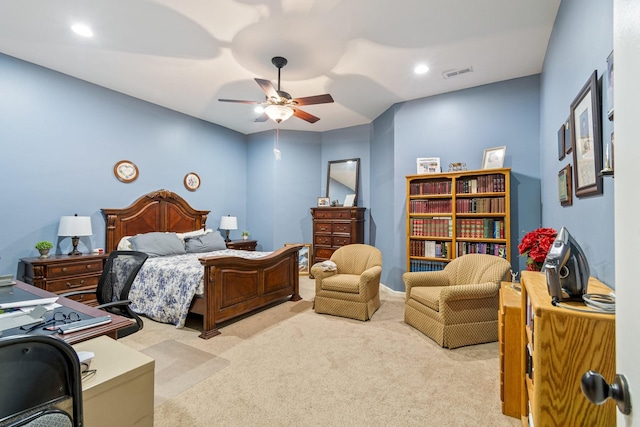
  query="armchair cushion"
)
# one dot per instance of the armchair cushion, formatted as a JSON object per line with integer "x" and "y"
{"x": 342, "y": 283}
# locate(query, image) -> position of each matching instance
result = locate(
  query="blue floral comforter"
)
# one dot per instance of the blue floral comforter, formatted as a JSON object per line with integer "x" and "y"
{"x": 165, "y": 286}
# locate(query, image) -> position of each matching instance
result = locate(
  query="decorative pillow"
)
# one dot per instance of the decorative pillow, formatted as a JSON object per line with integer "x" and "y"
{"x": 206, "y": 243}
{"x": 124, "y": 244}
{"x": 158, "y": 244}
{"x": 195, "y": 233}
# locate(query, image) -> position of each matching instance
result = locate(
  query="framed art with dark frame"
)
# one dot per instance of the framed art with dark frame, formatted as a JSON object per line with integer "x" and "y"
{"x": 586, "y": 139}
{"x": 562, "y": 151}
{"x": 567, "y": 135}
{"x": 609, "y": 87}
{"x": 564, "y": 186}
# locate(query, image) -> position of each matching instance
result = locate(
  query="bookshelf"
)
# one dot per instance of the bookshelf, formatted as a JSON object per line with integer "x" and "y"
{"x": 456, "y": 213}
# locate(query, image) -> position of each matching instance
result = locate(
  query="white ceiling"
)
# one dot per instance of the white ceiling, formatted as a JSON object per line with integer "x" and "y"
{"x": 185, "y": 54}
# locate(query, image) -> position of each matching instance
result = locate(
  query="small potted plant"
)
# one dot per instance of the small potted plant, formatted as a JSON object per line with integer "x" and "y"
{"x": 43, "y": 247}
{"x": 245, "y": 235}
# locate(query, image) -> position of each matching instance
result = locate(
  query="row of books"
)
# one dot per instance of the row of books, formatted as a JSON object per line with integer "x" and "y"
{"x": 420, "y": 265}
{"x": 430, "y": 248}
{"x": 482, "y": 184}
{"x": 480, "y": 228}
{"x": 496, "y": 249}
{"x": 436, "y": 227}
{"x": 430, "y": 187}
{"x": 430, "y": 206}
{"x": 481, "y": 205}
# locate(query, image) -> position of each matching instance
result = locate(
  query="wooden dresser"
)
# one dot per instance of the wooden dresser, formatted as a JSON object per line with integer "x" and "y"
{"x": 66, "y": 273}
{"x": 335, "y": 227}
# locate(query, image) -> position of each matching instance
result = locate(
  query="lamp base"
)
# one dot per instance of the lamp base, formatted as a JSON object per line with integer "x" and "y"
{"x": 74, "y": 242}
{"x": 227, "y": 239}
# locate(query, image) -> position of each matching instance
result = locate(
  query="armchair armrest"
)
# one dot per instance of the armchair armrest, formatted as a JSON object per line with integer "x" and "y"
{"x": 466, "y": 292}
{"x": 370, "y": 276}
{"x": 423, "y": 278}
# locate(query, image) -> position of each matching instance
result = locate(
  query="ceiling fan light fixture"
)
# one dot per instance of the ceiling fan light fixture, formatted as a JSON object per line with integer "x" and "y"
{"x": 278, "y": 113}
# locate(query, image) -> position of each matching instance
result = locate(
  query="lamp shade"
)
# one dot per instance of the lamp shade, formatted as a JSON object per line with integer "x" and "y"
{"x": 278, "y": 113}
{"x": 228, "y": 223}
{"x": 75, "y": 226}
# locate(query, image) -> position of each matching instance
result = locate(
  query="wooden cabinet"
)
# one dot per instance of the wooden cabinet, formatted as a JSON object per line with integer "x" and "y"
{"x": 243, "y": 245}
{"x": 335, "y": 227}
{"x": 457, "y": 213}
{"x": 559, "y": 345}
{"x": 65, "y": 273}
{"x": 509, "y": 336}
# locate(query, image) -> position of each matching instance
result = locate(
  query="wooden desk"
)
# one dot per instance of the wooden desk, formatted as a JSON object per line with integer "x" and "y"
{"x": 122, "y": 389}
{"x": 110, "y": 329}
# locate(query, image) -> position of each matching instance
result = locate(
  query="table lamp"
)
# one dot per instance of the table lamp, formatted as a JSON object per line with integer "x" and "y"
{"x": 228, "y": 223}
{"x": 74, "y": 227}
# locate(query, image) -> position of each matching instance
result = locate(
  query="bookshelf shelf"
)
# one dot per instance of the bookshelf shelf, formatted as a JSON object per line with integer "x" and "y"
{"x": 455, "y": 213}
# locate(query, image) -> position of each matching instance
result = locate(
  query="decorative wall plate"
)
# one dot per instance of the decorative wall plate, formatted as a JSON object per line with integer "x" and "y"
{"x": 126, "y": 171}
{"x": 192, "y": 181}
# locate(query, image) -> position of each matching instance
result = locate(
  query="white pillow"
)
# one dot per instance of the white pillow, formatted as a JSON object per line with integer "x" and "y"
{"x": 124, "y": 244}
{"x": 195, "y": 233}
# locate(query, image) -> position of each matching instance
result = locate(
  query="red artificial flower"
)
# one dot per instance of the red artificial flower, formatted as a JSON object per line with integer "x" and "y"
{"x": 535, "y": 245}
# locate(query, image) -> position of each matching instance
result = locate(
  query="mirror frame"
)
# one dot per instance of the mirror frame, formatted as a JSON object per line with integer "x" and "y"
{"x": 332, "y": 162}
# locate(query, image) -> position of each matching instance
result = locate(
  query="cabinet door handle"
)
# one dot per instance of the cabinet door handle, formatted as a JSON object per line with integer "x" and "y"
{"x": 70, "y": 286}
{"x": 88, "y": 265}
{"x": 64, "y": 268}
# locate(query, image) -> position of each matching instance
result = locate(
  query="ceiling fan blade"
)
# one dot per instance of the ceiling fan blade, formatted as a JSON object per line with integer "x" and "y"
{"x": 240, "y": 101}
{"x": 268, "y": 88}
{"x": 310, "y": 100}
{"x": 305, "y": 116}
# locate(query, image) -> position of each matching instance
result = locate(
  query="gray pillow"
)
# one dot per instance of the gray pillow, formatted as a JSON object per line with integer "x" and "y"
{"x": 158, "y": 244}
{"x": 206, "y": 243}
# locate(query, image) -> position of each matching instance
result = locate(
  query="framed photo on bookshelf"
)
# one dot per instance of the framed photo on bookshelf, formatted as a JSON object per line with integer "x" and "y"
{"x": 586, "y": 139}
{"x": 493, "y": 158}
{"x": 323, "y": 202}
{"x": 564, "y": 186}
{"x": 428, "y": 165}
{"x": 562, "y": 151}
{"x": 304, "y": 255}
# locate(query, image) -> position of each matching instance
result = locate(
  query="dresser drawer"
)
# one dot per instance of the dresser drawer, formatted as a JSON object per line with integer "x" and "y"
{"x": 73, "y": 284}
{"x": 324, "y": 253}
{"x": 341, "y": 227}
{"x": 74, "y": 268}
{"x": 323, "y": 227}
{"x": 322, "y": 240}
{"x": 334, "y": 214}
{"x": 341, "y": 240}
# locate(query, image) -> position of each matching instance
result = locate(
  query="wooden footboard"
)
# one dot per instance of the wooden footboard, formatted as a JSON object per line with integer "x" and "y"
{"x": 234, "y": 286}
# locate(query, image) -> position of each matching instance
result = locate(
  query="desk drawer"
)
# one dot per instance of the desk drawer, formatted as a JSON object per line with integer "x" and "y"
{"x": 73, "y": 284}
{"x": 74, "y": 268}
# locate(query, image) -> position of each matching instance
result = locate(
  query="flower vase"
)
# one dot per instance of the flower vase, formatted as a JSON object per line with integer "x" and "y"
{"x": 44, "y": 253}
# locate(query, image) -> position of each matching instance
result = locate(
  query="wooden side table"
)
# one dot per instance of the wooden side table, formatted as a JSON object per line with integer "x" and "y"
{"x": 243, "y": 245}
{"x": 65, "y": 273}
{"x": 509, "y": 335}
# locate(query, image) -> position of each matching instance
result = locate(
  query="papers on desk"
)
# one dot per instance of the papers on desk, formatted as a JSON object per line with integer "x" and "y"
{"x": 28, "y": 303}
{"x": 20, "y": 318}
{"x": 7, "y": 280}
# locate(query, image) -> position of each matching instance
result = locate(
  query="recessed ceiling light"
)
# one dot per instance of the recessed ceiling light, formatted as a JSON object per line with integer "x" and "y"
{"x": 82, "y": 30}
{"x": 421, "y": 69}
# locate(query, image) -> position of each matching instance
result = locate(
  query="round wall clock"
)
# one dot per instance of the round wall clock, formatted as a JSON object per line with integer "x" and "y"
{"x": 192, "y": 181}
{"x": 126, "y": 171}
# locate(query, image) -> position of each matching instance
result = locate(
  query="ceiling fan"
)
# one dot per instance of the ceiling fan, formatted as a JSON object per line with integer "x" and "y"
{"x": 279, "y": 105}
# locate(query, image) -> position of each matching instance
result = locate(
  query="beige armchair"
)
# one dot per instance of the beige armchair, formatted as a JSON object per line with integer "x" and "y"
{"x": 457, "y": 306}
{"x": 353, "y": 289}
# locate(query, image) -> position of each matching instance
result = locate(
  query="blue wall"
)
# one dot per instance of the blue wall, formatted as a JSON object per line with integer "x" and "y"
{"x": 581, "y": 41}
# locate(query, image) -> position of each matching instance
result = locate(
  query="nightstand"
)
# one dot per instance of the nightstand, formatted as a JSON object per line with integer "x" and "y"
{"x": 64, "y": 273}
{"x": 243, "y": 245}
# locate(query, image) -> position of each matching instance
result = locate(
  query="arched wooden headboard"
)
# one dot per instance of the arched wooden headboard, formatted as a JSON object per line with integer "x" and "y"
{"x": 159, "y": 210}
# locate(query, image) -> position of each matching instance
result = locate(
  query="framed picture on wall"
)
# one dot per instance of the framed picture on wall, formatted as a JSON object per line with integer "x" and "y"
{"x": 586, "y": 140}
{"x": 304, "y": 255}
{"x": 562, "y": 151}
{"x": 564, "y": 186}
{"x": 609, "y": 86}
{"x": 567, "y": 135}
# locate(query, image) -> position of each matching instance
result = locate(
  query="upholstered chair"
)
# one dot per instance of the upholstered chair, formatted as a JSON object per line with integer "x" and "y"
{"x": 352, "y": 289}
{"x": 457, "y": 306}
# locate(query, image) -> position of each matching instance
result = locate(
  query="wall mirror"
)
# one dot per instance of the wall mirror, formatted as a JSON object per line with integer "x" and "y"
{"x": 342, "y": 180}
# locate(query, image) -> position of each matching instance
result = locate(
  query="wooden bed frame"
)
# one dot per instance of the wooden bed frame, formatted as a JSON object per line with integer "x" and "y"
{"x": 233, "y": 286}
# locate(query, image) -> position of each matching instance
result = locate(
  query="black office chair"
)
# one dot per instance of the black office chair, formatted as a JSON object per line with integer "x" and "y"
{"x": 113, "y": 288}
{"x": 39, "y": 374}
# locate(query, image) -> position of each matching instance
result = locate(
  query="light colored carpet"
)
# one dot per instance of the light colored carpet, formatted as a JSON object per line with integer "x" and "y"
{"x": 288, "y": 366}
